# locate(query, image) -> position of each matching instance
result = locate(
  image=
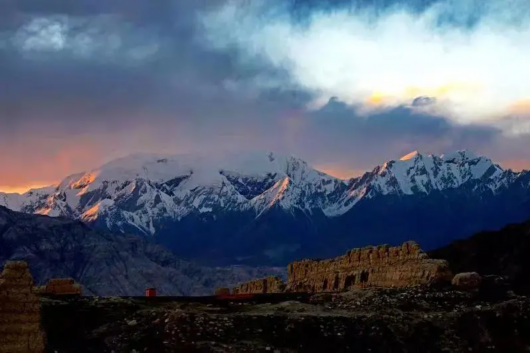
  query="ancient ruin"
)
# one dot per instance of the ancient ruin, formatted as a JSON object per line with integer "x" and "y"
{"x": 59, "y": 286}
{"x": 20, "y": 316}
{"x": 372, "y": 266}
{"x": 272, "y": 284}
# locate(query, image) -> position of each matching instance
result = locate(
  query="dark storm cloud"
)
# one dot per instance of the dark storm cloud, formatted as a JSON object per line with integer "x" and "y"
{"x": 345, "y": 133}
{"x": 84, "y": 81}
{"x": 118, "y": 56}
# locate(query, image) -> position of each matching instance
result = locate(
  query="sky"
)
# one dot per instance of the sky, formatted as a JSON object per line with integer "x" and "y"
{"x": 345, "y": 85}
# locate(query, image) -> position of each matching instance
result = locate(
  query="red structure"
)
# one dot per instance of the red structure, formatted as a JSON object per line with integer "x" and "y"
{"x": 150, "y": 292}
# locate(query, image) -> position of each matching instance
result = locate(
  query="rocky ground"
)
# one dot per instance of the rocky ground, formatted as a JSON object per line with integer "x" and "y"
{"x": 405, "y": 320}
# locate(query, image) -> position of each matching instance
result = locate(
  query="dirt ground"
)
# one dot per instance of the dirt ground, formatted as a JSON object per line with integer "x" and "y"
{"x": 407, "y": 320}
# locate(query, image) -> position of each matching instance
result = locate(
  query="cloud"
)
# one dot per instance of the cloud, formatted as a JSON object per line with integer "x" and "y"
{"x": 87, "y": 84}
{"x": 470, "y": 55}
{"x": 102, "y": 38}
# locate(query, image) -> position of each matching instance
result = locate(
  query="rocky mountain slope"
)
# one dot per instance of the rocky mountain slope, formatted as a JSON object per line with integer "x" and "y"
{"x": 105, "y": 263}
{"x": 263, "y": 209}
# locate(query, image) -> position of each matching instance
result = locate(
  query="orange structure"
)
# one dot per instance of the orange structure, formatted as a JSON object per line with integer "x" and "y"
{"x": 59, "y": 286}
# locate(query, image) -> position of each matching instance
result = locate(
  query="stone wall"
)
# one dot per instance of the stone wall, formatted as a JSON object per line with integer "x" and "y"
{"x": 272, "y": 284}
{"x": 20, "y": 316}
{"x": 59, "y": 286}
{"x": 379, "y": 266}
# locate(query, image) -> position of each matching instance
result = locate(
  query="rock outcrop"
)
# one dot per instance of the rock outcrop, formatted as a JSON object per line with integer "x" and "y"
{"x": 373, "y": 266}
{"x": 272, "y": 284}
{"x": 20, "y": 315}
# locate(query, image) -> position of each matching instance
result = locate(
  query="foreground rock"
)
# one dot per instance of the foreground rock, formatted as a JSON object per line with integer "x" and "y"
{"x": 369, "y": 320}
{"x": 467, "y": 281}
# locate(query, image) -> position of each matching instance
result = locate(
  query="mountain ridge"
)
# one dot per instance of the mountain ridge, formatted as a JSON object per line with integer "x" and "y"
{"x": 262, "y": 199}
{"x": 142, "y": 167}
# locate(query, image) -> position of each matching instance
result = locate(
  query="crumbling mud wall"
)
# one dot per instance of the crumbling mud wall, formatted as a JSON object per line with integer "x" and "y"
{"x": 20, "y": 316}
{"x": 59, "y": 286}
{"x": 272, "y": 284}
{"x": 373, "y": 266}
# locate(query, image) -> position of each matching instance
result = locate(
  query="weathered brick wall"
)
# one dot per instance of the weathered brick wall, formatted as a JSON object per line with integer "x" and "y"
{"x": 59, "y": 286}
{"x": 20, "y": 328}
{"x": 272, "y": 284}
{"x": 374, "y": 266}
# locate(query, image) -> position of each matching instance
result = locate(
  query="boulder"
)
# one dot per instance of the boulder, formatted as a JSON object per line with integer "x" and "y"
{"x": 467, "y": 281}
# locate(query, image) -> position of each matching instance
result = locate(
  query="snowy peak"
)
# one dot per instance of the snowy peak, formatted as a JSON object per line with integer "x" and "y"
{"x": 415, "y": 172}
{"x": 203, "y": 169}
{"x": 141, "y": 189}
{"x": 144, "y": 191}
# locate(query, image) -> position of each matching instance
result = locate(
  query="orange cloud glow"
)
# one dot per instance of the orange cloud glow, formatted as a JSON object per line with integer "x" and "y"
{"x": 516, "y": 164}
{"x": 409, "y": 93}
{"x": 338, "y": 171}
{"x": 521, "y": 107}
{"x": 38, "y": 161}
{"x": 442, "y": 91}
{"x": 376, "y": 98}
{"x": 20, "y": 189}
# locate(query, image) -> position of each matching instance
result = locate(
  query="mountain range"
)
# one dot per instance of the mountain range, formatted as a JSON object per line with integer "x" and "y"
{"x": 265, "y": 209}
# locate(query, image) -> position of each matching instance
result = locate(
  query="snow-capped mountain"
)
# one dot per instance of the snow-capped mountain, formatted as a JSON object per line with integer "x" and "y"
{"x": 243, "y": 200}
{"x": 137, "y": 190}
{"x": 415, "y": 173}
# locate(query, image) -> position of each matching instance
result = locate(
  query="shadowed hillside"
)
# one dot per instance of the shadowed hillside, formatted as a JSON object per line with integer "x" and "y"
{"x": 505, "y": 252}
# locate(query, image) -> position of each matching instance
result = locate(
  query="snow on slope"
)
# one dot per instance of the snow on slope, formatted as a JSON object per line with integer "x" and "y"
{"x": 141, "y": 189}
{"x": 138, "y": 189}
{"x": 418, "y": 173}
